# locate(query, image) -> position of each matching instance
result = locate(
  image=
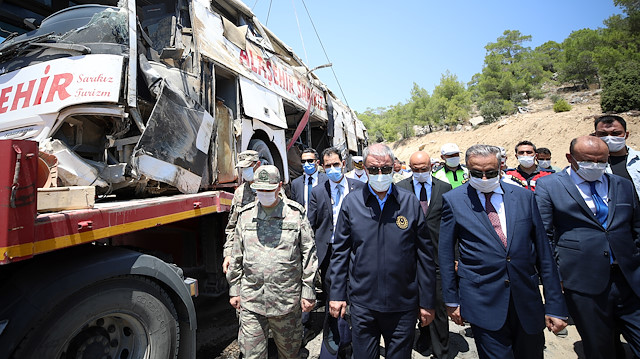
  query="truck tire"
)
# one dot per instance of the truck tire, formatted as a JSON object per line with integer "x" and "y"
{"x": 123, "y": 317}
{"x": 262, "y": 148}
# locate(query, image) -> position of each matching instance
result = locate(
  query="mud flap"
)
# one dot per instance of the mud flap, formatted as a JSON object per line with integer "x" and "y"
{"x": 174, "y": 146}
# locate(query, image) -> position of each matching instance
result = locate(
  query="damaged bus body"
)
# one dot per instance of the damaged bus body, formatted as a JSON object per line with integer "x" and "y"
{"x": 148, "y": 103}
{"x": 149, "y": 97}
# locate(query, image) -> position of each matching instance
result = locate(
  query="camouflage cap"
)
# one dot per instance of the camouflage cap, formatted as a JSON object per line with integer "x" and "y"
{"x": 267, "y": 178}
{"x": 247, "y": 158}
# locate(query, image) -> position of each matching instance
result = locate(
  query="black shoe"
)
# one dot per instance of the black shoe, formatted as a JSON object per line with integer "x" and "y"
{"x": 423, "y": 348}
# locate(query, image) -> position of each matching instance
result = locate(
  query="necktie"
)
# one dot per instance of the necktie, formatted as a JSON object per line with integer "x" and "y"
{"x": 336, "y": 206}
{"x": 494, "y": 218}
{"x": 309, "y": 188}
{"x": 424, "y": 201}
{"x": 338, "y": 196}
{"x": 602, "y": 211}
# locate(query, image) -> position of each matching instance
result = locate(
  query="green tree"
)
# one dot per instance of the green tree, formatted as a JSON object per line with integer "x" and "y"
{"x": 451, "y": 102}
{"x": 621, "y": 89}
{"x": 580, "y": 66}
{"x": 550, "y": 56}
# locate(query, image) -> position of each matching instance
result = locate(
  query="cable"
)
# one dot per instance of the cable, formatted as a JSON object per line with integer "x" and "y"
{"x": 325, "y": 53}
{"x": 306, "y": 58}
{"x": 268, "y": 13}
{"x": 254, "y": 5}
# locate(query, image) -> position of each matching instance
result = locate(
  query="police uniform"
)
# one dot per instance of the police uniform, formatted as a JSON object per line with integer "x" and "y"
{"x": 273, "y": 267}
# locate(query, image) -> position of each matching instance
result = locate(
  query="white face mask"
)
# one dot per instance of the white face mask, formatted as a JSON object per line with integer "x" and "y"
{"x": 247, "y": 174}
{"x": 485, "y": 186}
{"x": 422, "y": 177}
{"x": 614, "y": 143}
{"x": 359, "y": 171}
{"x": 453, "y": 161}
{"x": 544, "y": 163}
{"x": 266, "y": 198}
{"x": 380, "y": 182}
{"x": 526, "y": 161}
{"x": 591, "y": 171}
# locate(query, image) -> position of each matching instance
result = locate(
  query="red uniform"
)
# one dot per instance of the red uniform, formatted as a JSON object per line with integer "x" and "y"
{"x": 530, "y": 183}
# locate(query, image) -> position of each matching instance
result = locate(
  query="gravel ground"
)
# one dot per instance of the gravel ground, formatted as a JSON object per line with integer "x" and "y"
{"x": 217, "y": 331}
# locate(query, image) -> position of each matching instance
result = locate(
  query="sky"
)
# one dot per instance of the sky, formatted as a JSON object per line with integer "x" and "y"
{"x": 380, "y": 48}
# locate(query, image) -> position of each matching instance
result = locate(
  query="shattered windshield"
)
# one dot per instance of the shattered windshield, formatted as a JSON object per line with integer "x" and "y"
{"x": 96, "y": 28}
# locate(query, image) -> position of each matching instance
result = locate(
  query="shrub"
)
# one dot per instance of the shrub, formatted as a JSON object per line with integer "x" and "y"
{"x": 561, "y": 106}
{"x": 555, "y": 98}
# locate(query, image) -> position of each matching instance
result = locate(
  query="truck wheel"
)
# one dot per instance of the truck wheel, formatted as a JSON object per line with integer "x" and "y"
{"x": 123, "y": 317}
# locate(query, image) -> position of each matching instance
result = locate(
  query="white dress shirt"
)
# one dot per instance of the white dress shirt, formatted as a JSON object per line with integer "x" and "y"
{"x": 314, "y": 182}
{"x": 336, "y": 206}
{"x": 602, "y": 187}
{"x": 497, "y": 200}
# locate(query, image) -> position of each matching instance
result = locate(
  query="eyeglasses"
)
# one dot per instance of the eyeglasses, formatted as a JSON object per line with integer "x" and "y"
{"x": 480, "y": 174}
{"x": 375, "y": 170}
{"x": 308, "y": 161}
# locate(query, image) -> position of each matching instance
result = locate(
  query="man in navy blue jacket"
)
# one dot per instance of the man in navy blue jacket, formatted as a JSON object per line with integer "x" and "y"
{"x": 324, "y": 208}
{"x": 592, "y": 220}
{"x": 382, "y": 263}
{"x": 503, "y": 254}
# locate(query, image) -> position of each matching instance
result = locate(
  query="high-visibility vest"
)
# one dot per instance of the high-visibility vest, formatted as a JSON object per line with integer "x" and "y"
{"x": 462, "y": 173}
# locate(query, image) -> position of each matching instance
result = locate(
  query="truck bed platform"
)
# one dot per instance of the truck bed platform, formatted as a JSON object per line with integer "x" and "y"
{"x": 68, "y": 228}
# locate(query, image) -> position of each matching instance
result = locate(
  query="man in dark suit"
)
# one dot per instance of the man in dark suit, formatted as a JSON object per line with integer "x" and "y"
{"x": 324, "y": 207}
{"x": 503, "y": 253}
{"x": 429, "y": 191}
{"x": 592, "y": 220}
{"x": 302, "y": 186}
{"x": 382, "y": 262}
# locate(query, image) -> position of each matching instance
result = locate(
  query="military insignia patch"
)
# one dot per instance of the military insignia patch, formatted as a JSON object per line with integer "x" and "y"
{"x": 264, "y": 175}
{"x": 402, "y": 222}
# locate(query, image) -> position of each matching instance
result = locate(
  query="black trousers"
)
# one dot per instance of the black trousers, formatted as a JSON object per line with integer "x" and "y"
{"x": 397, "y": 329}
{"x": 436, "y": 334}
{"x": 510, "y": 341}
{"x": 599, "y": 318}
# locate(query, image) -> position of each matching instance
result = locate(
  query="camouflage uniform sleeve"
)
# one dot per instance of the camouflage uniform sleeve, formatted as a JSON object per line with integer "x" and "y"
{"x": 231, "y": 226}
{"x": 236, "y": 270}
{"x": 309, "y": 258}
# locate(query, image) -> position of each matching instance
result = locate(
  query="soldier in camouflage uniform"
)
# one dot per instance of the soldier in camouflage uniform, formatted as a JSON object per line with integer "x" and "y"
{"x": 272, "y": 270}
{"x": 248, "y": 161}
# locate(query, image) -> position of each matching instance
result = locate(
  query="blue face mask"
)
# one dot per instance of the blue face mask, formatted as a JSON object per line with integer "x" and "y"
{"x": 309, "y": 168}
{"x": 334, "y": 174}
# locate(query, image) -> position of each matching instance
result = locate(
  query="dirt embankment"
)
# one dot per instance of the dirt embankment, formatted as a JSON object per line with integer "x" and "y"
{"x": 540, "y": 125}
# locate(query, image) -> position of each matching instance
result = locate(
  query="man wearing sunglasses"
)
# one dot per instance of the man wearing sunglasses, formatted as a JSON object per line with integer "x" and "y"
{"x": 503, "y": 254}
{"x": 301, "y": 187}
{"x": 323, "y": 212}
{"x": 382, "y": 262}
{"x": 429, "y": 192}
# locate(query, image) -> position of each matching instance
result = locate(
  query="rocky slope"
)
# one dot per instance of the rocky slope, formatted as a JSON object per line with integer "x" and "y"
{"x": 539, "y": 125}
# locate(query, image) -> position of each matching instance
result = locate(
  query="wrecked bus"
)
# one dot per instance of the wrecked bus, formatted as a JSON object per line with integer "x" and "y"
{"x": 145, "y": 98}
{"x": 148, "y": 103}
